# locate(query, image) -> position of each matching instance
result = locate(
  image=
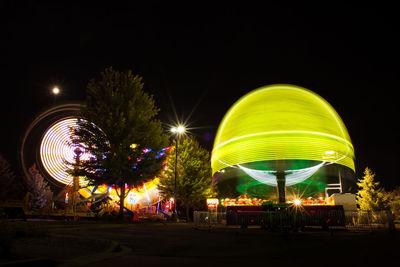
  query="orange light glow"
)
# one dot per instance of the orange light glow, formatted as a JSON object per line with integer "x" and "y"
{"x": 140, "y": 196}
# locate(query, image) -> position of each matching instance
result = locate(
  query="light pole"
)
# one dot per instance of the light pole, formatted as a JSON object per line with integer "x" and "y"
{"x": 177, "y": 131}
{"x": 75, "y": 181}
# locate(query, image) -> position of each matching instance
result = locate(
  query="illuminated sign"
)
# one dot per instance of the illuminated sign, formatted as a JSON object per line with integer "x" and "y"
{"x": 212, "y": 203}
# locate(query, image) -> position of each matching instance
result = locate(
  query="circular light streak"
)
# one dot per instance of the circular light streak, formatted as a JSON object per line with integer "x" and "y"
{"x": 56, "y": 150}
{"x": 281, "y": 122}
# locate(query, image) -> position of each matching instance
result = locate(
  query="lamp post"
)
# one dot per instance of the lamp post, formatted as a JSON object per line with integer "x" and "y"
{"x": 177, "y": 131}
{"x": 75, "y": 181}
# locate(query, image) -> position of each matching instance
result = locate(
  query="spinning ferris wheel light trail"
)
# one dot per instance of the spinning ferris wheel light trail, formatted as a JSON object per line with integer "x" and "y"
{"x": 47, "y": 143}
{"x": 56, "y": 151}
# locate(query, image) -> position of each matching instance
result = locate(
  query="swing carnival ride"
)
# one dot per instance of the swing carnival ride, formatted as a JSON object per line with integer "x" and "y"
{"x": 282, "y": 140}
{"x": 55, "y": 155}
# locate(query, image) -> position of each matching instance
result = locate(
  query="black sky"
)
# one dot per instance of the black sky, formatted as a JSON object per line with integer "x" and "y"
{"x": 209, "y": 55}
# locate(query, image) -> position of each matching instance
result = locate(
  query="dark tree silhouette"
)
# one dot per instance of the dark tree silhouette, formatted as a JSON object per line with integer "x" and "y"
{"x": 39, "y": 192}
{"x": 7, "y": 179}
{"x": 121, "y": 132}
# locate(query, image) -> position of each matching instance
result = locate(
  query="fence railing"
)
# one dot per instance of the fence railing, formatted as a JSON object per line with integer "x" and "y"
{"x": 207, "y": 218}
{"x": 368, "y": 220}
{"x": 351, "y": 220}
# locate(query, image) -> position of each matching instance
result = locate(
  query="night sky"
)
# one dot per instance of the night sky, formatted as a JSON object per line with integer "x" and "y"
{"x": 201, "y": 58}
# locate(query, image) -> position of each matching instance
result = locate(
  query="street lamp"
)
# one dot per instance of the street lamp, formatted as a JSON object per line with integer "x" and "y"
{"x": 297, "y": 202}
{"x": 75, "y": 181}
{"x": 177, "y": 131}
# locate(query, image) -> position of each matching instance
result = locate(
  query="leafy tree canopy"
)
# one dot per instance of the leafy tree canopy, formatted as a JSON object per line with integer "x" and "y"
{"x": 394, "y": 202}
{"x": 40, "y": 192}
{"x": 193, "y": 183}
{"x": 7, "y": 179}
{"x": 120, "y": 130}
{"x": 370, "y": 196}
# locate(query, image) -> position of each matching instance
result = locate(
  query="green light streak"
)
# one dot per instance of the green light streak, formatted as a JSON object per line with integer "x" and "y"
{"x": 309, "y": 187}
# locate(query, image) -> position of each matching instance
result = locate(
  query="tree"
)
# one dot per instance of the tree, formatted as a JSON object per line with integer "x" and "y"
{"x": 7, "y": 179}
{"x": 394, "y": 202}
{"x": 11, "y": 186}
{"x": 193, "y": 183}
{"x": 119, "y": 130}
{"x": 40, "y": 192}
{"x": 371, "y": 197}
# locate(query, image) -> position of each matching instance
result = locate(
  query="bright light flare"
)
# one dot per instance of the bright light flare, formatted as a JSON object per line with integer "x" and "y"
{"x": 133, "y": 146}
{"x": 55, "y": 90}
{"x": 180, "y": 129}
{"x": 297, "y": 202}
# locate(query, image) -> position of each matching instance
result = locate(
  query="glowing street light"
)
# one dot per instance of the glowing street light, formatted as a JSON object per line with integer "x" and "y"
{"x": 297, "y": 202}
{"x": 178, "y": 131}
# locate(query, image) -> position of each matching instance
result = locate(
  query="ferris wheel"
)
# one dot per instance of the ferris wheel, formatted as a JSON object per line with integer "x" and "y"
{"x": 47, "y": 143}
{"x": 57, "y": 152}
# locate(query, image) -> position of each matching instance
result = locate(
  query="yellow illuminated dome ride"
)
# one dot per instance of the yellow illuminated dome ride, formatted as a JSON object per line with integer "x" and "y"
{"x": 281, "y": 127}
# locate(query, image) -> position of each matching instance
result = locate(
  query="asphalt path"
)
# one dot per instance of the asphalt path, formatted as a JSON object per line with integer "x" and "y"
{"x": 172, "y": 244}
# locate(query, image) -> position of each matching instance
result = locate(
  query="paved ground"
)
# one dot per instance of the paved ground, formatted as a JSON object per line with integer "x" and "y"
{"x": 157, "y": 244}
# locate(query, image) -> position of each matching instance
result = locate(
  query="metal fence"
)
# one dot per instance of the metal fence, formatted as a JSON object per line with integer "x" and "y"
{"x": 368, "y": 220}
{"x": 207, "y": 218}
{"x": 351, "y": 220}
